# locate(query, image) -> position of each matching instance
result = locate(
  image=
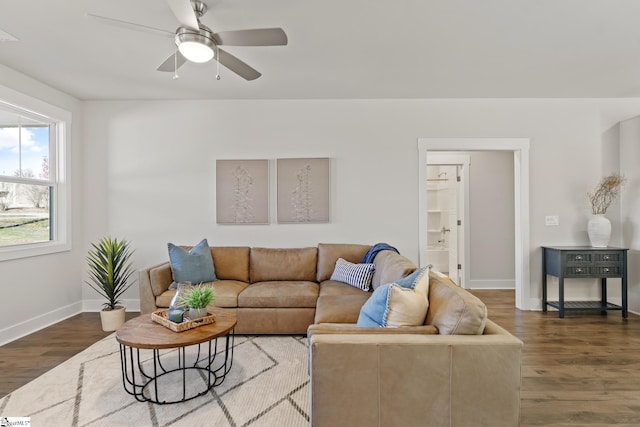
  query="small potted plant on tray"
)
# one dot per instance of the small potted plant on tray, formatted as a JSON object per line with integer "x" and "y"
{"x": 197, "y": 299}
{"x": 110, "y": 271}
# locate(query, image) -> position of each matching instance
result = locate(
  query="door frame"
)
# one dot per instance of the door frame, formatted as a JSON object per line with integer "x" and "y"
{"x": 520, "y": 149}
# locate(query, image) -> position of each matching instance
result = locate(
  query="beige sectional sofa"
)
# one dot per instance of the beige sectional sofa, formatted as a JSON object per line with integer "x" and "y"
{"x": 458, "y": 369}
{"x": 280, "y": 291}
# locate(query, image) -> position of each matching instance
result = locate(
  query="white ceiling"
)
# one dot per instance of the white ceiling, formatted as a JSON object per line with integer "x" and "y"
{"x": 338, "y": 49}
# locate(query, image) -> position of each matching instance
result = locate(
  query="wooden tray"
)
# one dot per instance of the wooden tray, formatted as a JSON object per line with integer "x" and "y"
{"x": 160, "y": 317}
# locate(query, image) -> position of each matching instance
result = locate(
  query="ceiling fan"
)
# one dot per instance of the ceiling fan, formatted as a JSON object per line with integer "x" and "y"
{"x": 197, "y": 43}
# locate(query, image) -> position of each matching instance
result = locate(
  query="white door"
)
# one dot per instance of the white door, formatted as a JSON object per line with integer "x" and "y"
{"x": 454, "y": 219}
{"x": 452, "y": 205}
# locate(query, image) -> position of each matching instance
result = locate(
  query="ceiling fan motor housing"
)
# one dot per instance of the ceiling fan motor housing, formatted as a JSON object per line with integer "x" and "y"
{"x": 202, "y": 37}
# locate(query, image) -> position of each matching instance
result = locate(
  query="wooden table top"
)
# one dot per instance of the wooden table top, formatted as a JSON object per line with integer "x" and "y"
{"x": 143, "y": 332}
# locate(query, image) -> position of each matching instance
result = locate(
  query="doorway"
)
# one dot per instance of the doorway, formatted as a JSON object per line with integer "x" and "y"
{"x": 520, "y": 149}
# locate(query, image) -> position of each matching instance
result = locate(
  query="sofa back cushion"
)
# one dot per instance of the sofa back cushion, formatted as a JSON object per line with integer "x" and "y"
{"x": 160, "y": 278}
{"x": 231, "y": 262}
{"x": 390, "y": 266}
{"x": 453, "y": 310}
{"x": 268, "y": 264}
{"x": 328, "y": 254}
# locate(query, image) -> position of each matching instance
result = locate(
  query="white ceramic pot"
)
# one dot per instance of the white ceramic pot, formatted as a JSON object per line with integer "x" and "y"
{"x": 197, "y": 313}
{"x": 112, "y": 319}
{"x": 599, "y": 230}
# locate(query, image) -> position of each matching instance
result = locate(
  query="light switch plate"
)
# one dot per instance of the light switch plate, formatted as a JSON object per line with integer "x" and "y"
{"x": 551, "y": 220}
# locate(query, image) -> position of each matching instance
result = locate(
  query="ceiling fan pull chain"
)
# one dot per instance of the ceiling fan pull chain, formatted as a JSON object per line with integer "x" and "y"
{"x": 217, "y": 63}
{"x": 175, "y": 65}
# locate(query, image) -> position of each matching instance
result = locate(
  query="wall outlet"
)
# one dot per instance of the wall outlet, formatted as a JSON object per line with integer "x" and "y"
{"x": 551, "y": 220}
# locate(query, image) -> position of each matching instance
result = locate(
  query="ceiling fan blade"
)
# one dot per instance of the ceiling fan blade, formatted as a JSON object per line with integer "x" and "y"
{"x": 172, "y": 63}
{"x": 183, "y": 11}
{"x": 256, "y": 37}
{"x": 131, "y": 25}
{"x": 239, "y": 67}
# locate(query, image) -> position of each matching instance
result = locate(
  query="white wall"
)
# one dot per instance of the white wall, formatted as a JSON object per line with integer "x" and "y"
{"x": 150, "y": 166}
{"x": 630, "y": 203}
{"x": 491, "y": 220}
{"x": 42, "y": 290}
{"x": 145, "y": 171}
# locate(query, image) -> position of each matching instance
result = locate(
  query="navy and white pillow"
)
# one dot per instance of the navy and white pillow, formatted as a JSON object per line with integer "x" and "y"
{"x": 356, "y": 275}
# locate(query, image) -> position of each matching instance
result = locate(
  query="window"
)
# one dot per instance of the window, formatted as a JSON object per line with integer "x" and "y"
{"x": 33, "y": 199}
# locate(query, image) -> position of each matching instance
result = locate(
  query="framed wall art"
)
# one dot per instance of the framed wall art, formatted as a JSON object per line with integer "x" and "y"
{"x": 303, "y": 190}
{"x": 242, "y": 191}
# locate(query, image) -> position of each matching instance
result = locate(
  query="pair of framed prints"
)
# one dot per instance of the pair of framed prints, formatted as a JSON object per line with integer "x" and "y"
{"x": 242, "y": 191}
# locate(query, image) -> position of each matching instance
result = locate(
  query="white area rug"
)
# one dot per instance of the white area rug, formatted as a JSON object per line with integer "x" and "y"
{"x": 267, "y": 386}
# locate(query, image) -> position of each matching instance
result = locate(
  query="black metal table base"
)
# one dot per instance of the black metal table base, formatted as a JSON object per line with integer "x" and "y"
{"x": 154, "y": 379}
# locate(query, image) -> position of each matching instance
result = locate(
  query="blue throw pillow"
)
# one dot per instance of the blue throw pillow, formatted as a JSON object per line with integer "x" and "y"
{"x": 401, "y": 303}
{"x": 195, "y": 266}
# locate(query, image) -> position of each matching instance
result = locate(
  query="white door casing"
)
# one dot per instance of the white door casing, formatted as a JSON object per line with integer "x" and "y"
{"x": 520, "y": 149}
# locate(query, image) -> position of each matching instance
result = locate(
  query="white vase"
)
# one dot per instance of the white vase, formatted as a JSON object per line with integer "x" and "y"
{"x": 599, "y": 230}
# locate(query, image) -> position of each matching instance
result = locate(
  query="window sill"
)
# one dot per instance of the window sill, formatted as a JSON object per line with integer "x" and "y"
{"x": 30, "y": 250}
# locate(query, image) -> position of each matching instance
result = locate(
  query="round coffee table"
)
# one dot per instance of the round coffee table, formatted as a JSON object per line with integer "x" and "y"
{"x": 157, "y": 376}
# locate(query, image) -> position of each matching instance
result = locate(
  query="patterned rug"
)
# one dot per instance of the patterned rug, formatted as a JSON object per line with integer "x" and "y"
{"x": 267, "y": 386}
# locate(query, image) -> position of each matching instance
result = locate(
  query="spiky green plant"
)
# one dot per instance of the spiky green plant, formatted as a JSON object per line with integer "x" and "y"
{"x": 198, "y": 297}
{"x": 110, "y": 269}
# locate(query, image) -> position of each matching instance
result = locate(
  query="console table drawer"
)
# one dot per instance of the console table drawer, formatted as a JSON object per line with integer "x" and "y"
{"x": 613, "y": 257}
{"x": 578, "y": 271}
{"x": 602, "y": 271}
{"x": 579, "y": 258}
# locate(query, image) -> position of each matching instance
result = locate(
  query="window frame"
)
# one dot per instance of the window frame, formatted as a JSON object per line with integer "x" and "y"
{"x": 60, "y": 203}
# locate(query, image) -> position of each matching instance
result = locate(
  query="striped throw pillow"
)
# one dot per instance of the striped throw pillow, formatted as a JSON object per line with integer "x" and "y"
{"x": 356, "y": 275}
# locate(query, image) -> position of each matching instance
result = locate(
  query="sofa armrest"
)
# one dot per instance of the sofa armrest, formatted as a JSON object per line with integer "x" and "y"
{"x": 415, "y": 379}
{"x": 151, "y": 283}
{"x": 349, "y": 328}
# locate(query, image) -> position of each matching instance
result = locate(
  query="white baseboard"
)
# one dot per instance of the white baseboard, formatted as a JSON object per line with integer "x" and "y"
{"x": 491, "y": 284}
{"x": 32, "y": 325}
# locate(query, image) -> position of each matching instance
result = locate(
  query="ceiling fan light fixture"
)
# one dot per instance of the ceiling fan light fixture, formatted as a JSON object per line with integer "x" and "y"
{"x": 196, "y": 47}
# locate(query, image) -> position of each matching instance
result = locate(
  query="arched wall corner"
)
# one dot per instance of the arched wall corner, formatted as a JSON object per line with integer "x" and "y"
{"x": 520, "y": 149}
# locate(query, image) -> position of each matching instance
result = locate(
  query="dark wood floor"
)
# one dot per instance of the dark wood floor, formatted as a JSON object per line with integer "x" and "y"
{"x": 583, "y": 370}
{"x": 27, "y": 358}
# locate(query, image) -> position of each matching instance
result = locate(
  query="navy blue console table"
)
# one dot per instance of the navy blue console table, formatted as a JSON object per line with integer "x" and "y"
{"x": 574, "y": 262}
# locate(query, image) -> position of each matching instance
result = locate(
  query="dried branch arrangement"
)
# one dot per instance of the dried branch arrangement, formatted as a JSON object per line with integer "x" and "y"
{"x": 605, "y": 193}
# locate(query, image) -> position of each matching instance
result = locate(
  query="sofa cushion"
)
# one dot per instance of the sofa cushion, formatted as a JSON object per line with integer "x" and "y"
{"x": 453, "y": 310}
{"x": 331, "y": 287}
{"x": 231, "y": 262}
{"x": 402, "y": 303}
{"x": 340, "y": 308}
{"x": 328, "y": 254}
{"x": 194, "y": 265}
{"x": 279, "y": 294}
{"x": 389, "y": 267}
{"x": 268, "y": 264}
{"x": 227, "y": 292}
{"x": 356, "y": 275}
